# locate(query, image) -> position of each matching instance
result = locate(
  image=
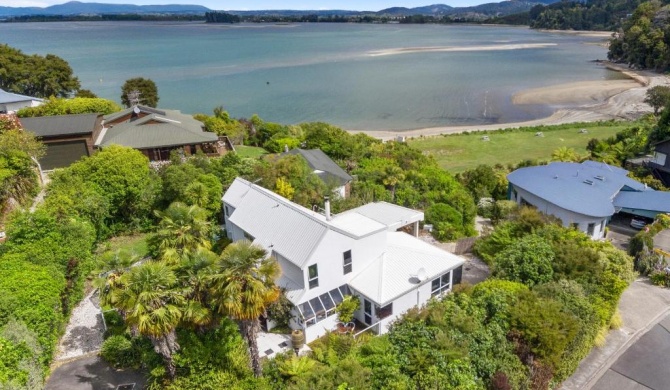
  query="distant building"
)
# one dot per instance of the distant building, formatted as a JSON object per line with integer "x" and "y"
{"x": 660, "y": 163}
{"x": 585, "y": 196}
{"x": 325, "y": 257}
{"x": 156, "y": 133}
{"x": 67, "y": 137}
{"x": 10, "y": 102}
{"x": 329, "y": 172}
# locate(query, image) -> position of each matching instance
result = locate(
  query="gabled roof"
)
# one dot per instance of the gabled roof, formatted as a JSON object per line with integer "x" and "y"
{"x": 158, "y": 128}
{"x": 395, "y": 271}
{"x": 57, "y": 125}
{"x": 9, "y": 97}
{"x": 587, "y": 188}
{"x": 658, "y": 201}
{"x": 326, "y": 168}
{"x": 289, "y": 229}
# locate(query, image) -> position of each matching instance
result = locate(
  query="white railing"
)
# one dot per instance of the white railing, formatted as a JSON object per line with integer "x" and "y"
{"x": 376, "y": 324}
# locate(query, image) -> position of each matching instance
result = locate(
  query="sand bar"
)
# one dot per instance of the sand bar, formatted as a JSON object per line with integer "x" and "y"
{"x": 619, "y": 99}
{"x": 435, "y": 49}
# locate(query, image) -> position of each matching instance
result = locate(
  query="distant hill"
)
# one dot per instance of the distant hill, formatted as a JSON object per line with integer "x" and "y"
{"x": 79, "y": 8}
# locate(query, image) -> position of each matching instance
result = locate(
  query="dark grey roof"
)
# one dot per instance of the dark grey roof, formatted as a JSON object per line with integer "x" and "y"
{"x": 326, "y": 168}
{"x": 658, "y": 201}
{"x": 587, "y": 188}
{"x": 172, "y": 129}
{"x": 58, "y": 125}
{"x": 9, "y": 97}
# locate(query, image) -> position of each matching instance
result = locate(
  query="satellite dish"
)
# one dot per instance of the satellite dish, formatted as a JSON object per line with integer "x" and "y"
{"x": 421, "y": 274}
{"x": 136, "y": 110}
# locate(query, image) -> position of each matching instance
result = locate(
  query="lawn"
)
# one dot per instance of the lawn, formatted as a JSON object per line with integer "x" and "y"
{"x": 459, "y": 152}
{"x": 136, "y": 243}
{"x": 249, "y": 151}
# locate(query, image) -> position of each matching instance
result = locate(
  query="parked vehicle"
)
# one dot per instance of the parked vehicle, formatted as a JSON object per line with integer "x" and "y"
{"x": 637, "y": 223}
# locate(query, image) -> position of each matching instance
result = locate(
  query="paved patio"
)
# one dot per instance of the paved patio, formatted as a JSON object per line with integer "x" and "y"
{"x": 270, "y": 344}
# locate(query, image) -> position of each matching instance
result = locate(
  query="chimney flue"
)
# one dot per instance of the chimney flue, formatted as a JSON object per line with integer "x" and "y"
{"x": 326, "y": 207}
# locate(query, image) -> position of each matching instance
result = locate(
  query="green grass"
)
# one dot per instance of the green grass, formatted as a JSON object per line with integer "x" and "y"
{"x": 460, "y": 152}
{"x": 136, "y": 243}
{"x": 249, "y": 151}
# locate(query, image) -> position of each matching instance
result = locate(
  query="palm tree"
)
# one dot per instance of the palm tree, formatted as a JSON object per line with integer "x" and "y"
{"x": 242, "y": 287}
{"x": 392, "y": 176}
{"x": 154, "y": 303}
{"x": 182, "y": 230}
{"x": 565, "y": 154}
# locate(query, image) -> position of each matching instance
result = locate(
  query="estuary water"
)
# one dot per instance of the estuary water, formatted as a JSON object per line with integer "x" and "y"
{"x": 368, "y": 77}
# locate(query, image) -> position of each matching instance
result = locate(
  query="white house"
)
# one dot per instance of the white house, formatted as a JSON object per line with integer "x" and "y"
{"x": 326, "y": 169}
{"x": 586, "y": 195}
{"x": 10, "y": 102}
{"x": 324, "y": 257}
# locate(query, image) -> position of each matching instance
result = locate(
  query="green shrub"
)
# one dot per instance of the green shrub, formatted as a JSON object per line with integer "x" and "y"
{"x": 120, "y": 352}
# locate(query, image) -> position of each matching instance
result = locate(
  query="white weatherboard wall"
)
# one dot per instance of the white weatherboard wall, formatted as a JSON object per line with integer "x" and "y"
{"x": 566, "y": 216}
{"x": 290, "y": 270}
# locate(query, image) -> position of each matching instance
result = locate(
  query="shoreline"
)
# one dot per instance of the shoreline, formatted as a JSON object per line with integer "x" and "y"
{"x": 585, "y": 101}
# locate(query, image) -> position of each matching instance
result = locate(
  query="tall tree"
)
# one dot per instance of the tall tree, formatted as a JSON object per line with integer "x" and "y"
{"x": 153, "y": 302}
{"x": 182, "y": 231}
{"x": 148, "y": 92}
{"x": 242, "y": 287}
{"x": 35, "y": 75}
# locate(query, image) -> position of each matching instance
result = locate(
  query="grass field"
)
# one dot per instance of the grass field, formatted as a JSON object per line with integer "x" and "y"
{"x": 136, "y": 244}
{"x": 249, "y": 151}
{"x": 459, "y": 152}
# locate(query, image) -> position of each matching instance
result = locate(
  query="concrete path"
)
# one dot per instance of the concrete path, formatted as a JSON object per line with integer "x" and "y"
{"x": 92, "y": 373}
{"x": 642, "y": 306}
{"x": 84, "y": 332}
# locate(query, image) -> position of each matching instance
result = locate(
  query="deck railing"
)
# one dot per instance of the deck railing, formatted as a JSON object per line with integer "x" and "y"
{"x": 376, "y": 331}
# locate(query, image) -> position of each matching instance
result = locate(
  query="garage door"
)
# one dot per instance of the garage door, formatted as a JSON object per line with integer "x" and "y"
{"x": 62, "y": 154}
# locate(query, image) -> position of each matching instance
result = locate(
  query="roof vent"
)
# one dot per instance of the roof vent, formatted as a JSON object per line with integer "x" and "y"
{"x": 601, "y": 178}
{"x": 589, "y": 182}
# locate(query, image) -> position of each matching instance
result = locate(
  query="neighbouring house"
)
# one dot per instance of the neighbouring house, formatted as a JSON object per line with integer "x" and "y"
{"x": 329, "y": 172}
{"x": 67, "y": 137}
{"x": 324, "y": 257}
{"x": 10, "y": 102}
{"x": 156, "y": 133}
{"x": 660, "y": 163}
{"x": 585, "y": 196}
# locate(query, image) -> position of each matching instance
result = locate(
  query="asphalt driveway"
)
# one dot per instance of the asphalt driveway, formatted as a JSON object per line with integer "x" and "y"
{"x": 92, "y": 373}
{"x": 644, "y": 365}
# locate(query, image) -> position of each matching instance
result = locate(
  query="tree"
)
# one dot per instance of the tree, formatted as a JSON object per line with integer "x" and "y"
{"x": 527, "y": 261}
{"x": 182, "y": 231}
{"x": 565, "y": 154}
{"x": 148, "y": 92}
{"x": 242, "y": 287}
{"x": 34, "y": 75}
{"x": 153, "y": 302}
{"x": 658, "y": 97}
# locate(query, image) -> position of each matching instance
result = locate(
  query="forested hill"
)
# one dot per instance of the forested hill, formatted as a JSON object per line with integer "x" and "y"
{"x": 644, "y": 41}
{"x": 606, "y": 15}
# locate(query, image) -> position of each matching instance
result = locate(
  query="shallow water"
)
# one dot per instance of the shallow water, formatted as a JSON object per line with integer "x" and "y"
{"x": 323, "y": 72}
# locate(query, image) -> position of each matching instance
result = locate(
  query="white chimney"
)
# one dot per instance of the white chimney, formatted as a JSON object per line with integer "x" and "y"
{"x": 326, "y": 206}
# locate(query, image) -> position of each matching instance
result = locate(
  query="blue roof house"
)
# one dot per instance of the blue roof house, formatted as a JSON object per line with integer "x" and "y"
{"x": 586, "y": 195}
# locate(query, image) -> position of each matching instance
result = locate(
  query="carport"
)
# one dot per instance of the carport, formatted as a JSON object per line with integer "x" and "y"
{"x": 645, "y": 204}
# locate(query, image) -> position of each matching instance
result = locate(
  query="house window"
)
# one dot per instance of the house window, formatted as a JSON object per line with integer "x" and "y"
{"x": 367, "y": 309}
{"x": 336, "y": 295}
{"x": 514, "y": 195}
{"x": 226, "y": 210}
{"x": 591, "y": 229}
{"x": 249, "y": 237}
{"x": 347, "y": 262}
{"x": 659, "y": 158}
{"x": 385, "y": 311}
{"x": 328, "y": 304}
{"x": 575, "y": 225}
{"x": 319, "y": 310}
{"x": 440, "y": 285}
{"x": 313, "y": 276}
{"x": 307, "y": 314}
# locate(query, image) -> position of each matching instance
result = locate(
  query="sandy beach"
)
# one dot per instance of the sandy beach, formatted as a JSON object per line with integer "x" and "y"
{"x": 585, "y": 101}
{"x": 434, "y": 49}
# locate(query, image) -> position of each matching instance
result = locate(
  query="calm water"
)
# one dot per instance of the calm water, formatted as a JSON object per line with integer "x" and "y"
{"x": 320, "y": 72}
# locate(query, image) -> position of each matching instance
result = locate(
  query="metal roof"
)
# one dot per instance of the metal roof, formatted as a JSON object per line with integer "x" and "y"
{"x": 157, "y": 129}
{"x": 390, "y": 215}
{"x": 356, "y": 224}
{"x": 57, "y": 125}
{"x": 9, "y": 97}
{"x": 587, "y": 188}
{"x": 647, "y": 200}
{"x": 292, "y": 290}
{"x": 319, "y": 161}
{"x": 275, "y": 222}
{"x": 394, "y": 273}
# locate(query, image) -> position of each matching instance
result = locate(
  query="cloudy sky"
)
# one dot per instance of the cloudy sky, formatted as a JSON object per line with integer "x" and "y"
{"x": 367, "y": 5}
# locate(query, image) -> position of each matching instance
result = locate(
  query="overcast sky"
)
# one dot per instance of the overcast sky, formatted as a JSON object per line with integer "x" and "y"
{"x": 366, "y": 5}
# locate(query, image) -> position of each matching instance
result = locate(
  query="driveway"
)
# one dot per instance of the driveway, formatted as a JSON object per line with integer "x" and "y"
{"x": 92, "y": 373}
{"x": 644, "y": 365}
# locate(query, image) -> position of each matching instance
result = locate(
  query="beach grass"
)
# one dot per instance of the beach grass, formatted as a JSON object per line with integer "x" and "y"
{"x": 459, "y": 152}
{"x": 249, "y": 151}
